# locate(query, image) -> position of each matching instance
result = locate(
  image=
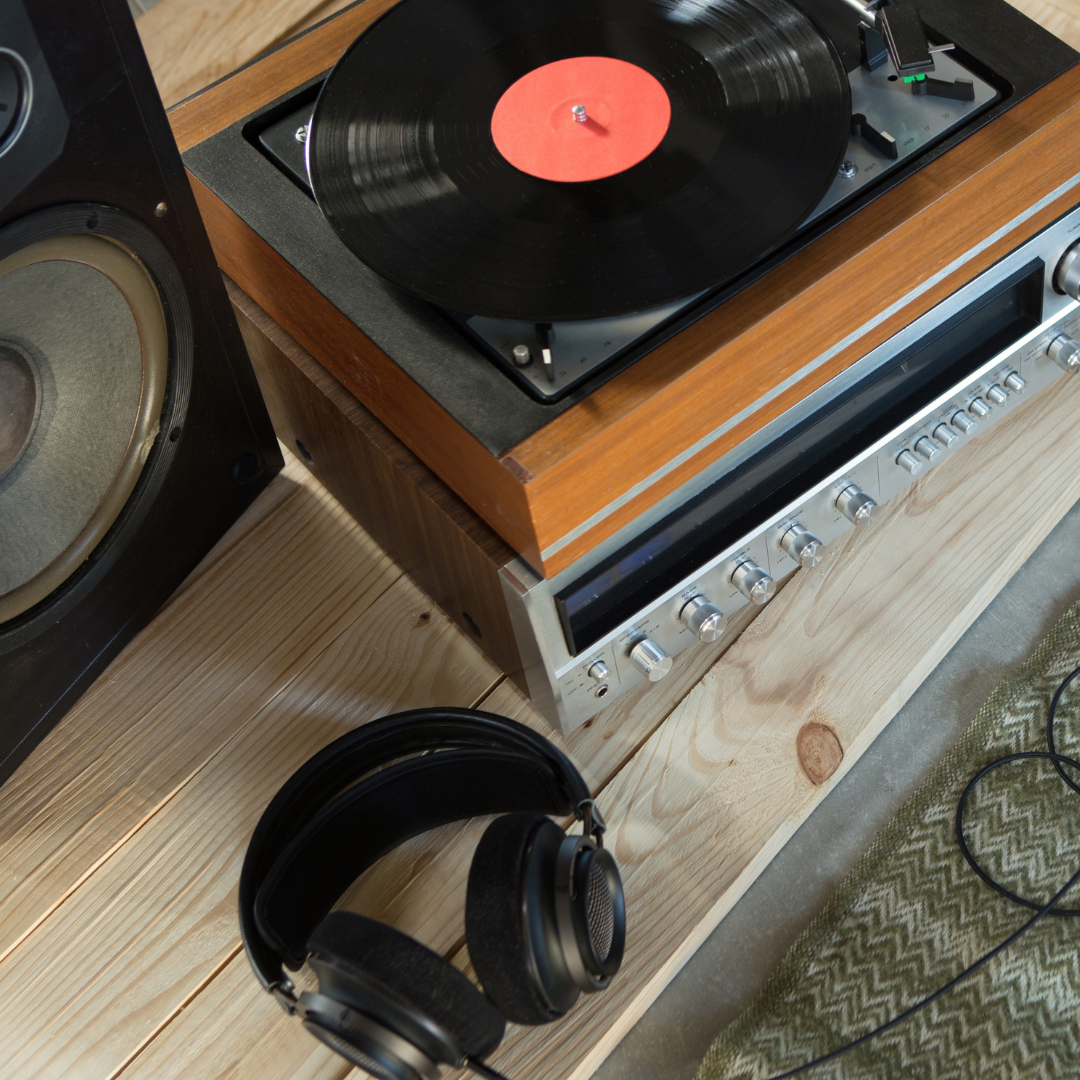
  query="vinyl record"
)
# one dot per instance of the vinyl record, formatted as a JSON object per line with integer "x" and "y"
{"x": 445, "y": 152}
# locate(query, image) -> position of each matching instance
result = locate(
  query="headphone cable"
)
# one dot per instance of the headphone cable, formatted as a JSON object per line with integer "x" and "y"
{"x": 486, "y": 1071}
{"x": 1060, "y": 762}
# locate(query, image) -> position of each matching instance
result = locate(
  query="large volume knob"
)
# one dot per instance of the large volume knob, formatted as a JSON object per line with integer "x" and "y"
{"x": 1065, "y": 353}
{"x": 650, "y": 660}
{"x": 856, "y": 506}
{"x": 1067, "y": 274}
{"x": 802, "y": 546}
{"x": 756, "y": 585}
{"x": 705, "y": 619}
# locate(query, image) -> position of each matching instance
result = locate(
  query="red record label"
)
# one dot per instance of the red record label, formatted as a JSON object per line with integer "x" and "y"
{"x": 538, "y": 127}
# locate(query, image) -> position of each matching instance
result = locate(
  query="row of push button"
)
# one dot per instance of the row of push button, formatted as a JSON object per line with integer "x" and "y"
{"x": 946, "y": 434}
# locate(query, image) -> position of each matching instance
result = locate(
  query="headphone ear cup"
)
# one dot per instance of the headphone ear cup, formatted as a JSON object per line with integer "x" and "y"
{"x": 391, "y": 978}
{"x": 510, "y": 920}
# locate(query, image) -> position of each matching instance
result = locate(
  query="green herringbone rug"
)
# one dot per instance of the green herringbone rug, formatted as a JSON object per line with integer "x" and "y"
{"x": 912, "y": 914}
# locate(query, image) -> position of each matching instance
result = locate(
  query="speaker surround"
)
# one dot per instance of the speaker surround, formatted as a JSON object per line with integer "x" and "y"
{"x": 132, "y": 432}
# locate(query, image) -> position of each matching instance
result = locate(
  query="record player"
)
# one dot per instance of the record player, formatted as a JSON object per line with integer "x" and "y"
{"x": 657, "y": 387}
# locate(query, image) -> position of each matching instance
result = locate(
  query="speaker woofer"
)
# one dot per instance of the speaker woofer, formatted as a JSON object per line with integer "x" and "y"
{"x": 84, "y": 363}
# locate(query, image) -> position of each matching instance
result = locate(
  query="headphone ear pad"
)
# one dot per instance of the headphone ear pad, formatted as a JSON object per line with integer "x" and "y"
{"x": 347, "y": 946}
{"x": 516, "y": 852}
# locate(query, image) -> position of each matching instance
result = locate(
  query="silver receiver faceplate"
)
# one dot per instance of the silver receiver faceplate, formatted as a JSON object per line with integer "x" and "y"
{"x": 569, "y": 688}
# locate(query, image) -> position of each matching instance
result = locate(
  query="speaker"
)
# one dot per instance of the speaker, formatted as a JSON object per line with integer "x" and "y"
{"x": 132, "y": 432}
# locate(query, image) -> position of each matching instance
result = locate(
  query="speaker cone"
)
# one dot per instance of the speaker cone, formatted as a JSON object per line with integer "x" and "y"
{"x": 84, "y": 362}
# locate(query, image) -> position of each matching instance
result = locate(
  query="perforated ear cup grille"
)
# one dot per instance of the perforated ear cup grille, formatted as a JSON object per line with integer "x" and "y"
{"x": 409, "y": 972}
{"x": 357, "y": 1056}
{"x": 599, "y": 912}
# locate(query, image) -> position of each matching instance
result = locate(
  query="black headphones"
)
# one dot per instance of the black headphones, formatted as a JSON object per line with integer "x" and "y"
{"x": 545, "y": 918}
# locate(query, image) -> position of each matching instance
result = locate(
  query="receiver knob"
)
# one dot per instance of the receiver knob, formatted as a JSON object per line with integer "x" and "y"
{"x": 1015, "y": 382}
{"x": 1067, "y": 274}
{"x": 756, "y": 585}
{"x": 925, "y": 448}
{"x": 599, "y": 671}
{"x": 802, "y": 546}
{"x": 997, "y": 395}
{"x": 705, "y": 619}
{"x": 963, "y": 423}
{"x": 1065, "y": 353}
{"x": 946, "y": 436}
{"x": 856, "y": 506}
{"x": 907, "y": 460}
{"x": 650, "y": 660}
{"x": 979, "y": 408}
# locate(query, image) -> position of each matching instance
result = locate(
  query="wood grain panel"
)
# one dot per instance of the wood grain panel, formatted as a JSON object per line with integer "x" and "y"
{"x": 228, "y": 644}
{"x": 158, "y": 918}
{"x": 768, "y": 333}
{"x": 493, "y": 491}
{"x": 717, "y": 368}
{"x": 433, "y": 535}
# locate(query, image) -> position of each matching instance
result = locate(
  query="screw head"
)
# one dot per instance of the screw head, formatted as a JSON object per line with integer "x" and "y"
{"x": 847, "y": 169}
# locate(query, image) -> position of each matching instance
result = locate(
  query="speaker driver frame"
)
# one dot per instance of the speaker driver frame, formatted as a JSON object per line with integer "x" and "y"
{"x": 135, "y": 241}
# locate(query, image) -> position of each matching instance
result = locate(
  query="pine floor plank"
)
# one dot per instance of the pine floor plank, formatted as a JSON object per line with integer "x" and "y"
{"x": 150, "y": 926}
{"x": 717, "y": 791}
{"x": 191, "y": 43}
{"x": 178, "y": 692}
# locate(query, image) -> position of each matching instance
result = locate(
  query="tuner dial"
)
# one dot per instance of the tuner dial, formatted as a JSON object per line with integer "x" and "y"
{"x": 946, "y": 436}
{"x": 963, "y": 423}
{"x": 802, "y": 546}
{"x": 997, "y": 395}
{"x": 979, "y": 408}
{"x": 1065, "y": 353}
{"x": 650, "y": 660}
{"x": 1067, "y": 274}
{"x": 856, "y": 506}
{"x": 756, "y": 585}
{"x": 705, "y": 619}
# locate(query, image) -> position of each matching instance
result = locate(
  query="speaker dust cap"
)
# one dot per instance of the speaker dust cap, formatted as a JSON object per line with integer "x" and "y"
{"x": 83, "y": 369}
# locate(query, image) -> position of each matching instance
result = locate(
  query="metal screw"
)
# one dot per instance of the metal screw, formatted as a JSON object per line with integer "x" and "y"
{"x": 848, "y": 169}
{"x": 301, "y": 133}
{"x": 160, "y": 210}
{"x": 579, "y": 113}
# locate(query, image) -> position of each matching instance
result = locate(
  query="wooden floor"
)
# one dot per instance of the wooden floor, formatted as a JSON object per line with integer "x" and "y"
{"x": 122, "y": 836}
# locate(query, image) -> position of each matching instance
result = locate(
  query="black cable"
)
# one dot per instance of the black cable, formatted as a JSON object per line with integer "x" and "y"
{"x": 1060, "y": 762}
{"x": 486, "y": 1071}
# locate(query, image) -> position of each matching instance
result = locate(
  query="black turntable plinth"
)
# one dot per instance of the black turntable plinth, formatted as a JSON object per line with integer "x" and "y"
{"x": 405, "y": 227}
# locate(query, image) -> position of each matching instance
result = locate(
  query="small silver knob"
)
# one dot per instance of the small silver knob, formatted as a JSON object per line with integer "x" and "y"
{"x": 802, "y": 545}
{"x": 599, "y": 671}
{"x": 997, "y": 395}
{"x": 925, "y": 448}
{"x": 650, "y": 660}
{"x": 1015, "y": 382}
{"x": 705, "y": 619}
{"x": 963, "y": 423}
{"x": 756, "y": 585}
{"x": 1067, "y": 274}
{"x": 907, "y": 460}
{"x": 856, "y": 506}
{"x": 522, "y": 355}
{"x": 979, "y": 408}
{"x": 946, "y": 436}
{"x": 1065, "y": 352}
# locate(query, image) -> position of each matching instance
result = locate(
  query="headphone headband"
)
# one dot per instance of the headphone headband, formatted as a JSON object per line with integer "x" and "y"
{"x": 320, "y": 831}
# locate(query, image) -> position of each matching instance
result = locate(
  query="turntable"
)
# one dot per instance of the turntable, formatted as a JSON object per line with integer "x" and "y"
{"x": 669, "y": 292}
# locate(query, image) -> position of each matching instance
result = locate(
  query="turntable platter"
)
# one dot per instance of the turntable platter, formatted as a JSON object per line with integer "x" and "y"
{"x": 448, "y": 150}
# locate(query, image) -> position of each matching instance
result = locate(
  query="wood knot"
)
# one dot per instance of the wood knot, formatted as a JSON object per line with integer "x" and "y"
{"x": 820, "y": 752}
